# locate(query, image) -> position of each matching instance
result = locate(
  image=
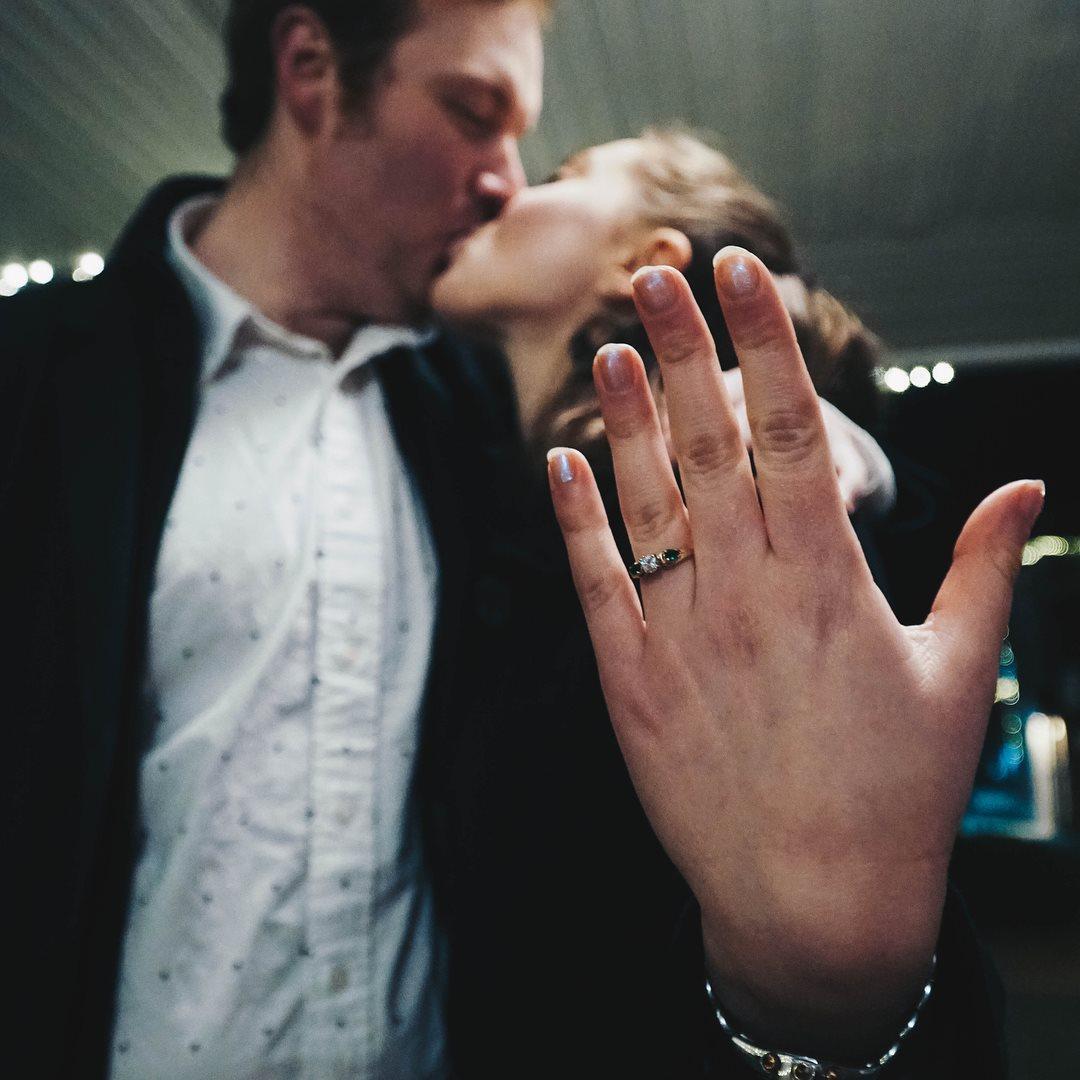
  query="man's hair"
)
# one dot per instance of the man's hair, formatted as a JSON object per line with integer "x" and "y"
{"x": 363, "y": 32}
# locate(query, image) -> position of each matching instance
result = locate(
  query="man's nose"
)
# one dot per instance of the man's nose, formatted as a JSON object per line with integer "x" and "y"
{"x": 502, "y": 179}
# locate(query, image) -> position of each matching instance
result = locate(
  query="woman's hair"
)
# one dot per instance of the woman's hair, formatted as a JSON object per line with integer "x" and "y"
{"x": 687, "y": 185}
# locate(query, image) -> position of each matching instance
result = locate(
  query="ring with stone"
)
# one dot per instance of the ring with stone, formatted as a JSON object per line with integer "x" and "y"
{"x": 661, "y": 560}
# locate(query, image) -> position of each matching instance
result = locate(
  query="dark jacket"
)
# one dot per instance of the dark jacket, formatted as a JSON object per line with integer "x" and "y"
{"x": 573, "y": 945}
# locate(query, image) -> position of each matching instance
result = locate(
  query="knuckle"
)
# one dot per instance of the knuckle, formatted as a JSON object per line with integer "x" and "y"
{"x": 654, "y": 517}
{"x": 709, "y": 452}
{"x": 753, "y": 332}
{"x": 1006, "y": 567}
{"x": 787, "y": 435}
{"x": 622, "y": 424}
{"x": 757, "y": 330}
{"x": 678, "y": 347}
{"x": 599, "y": 591}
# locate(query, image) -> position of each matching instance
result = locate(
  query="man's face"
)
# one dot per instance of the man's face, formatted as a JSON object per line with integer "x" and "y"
{"x": 433, "y": 153}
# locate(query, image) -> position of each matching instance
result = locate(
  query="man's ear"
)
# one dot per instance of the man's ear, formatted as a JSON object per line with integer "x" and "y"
{"x": 305, "y": 66}
{"x": 663, "y": 246}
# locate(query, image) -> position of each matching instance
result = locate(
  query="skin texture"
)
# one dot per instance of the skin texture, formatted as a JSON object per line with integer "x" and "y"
{"x": 804, "y": 759}
{"x": 341, "y": 216}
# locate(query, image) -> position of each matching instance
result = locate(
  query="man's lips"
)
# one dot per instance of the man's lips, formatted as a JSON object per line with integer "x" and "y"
{"x": 457, "y": 241}
{"x": 454, "y": 243}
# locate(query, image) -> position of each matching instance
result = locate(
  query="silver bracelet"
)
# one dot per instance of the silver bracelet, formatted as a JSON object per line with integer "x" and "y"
{"x": 779, "y": 1063}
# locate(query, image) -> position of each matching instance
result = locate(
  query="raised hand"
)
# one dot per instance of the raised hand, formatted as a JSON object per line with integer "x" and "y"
{"x": 804, "y": 758}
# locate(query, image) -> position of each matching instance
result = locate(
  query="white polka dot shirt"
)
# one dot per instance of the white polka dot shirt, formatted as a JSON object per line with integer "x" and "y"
{"x": 281, "y": 925}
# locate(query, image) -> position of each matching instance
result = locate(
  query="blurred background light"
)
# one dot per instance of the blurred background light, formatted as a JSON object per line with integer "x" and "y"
{"x": 41, "y": 272}
{"x": 14, "y": 276}
{"x": 896, "y": 379}
{"x": 91, "y": 264}
{"x": 1008, "y": 690}
{"x": 943, "y": 372}
{"x": 1042, "y": 547}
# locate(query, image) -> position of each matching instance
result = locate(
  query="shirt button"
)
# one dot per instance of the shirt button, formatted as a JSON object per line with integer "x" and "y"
{"x": 339, "y": 979}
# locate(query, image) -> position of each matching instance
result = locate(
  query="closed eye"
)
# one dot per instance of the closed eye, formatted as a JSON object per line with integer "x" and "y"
{"x": 474, "y": 123}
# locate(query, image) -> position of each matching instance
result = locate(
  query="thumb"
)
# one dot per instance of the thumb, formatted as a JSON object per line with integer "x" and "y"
{"x": 971, "y": 611}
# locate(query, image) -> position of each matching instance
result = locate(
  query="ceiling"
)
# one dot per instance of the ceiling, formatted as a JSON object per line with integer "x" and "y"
{"x": 927, "y": 154}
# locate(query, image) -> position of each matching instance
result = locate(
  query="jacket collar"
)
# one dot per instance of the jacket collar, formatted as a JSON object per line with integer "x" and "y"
{"x": 143, "y": 238}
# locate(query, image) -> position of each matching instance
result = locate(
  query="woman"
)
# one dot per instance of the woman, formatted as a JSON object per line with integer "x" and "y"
{"x": 550, "y": 281}
{"x": 553, "y": 814}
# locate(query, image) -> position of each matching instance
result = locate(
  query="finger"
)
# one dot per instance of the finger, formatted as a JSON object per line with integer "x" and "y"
{"x": 971, "y": 610}
{"x": 603, "y": 586}
{"x": 800, "y": 499}
{"x": 649, "y": 498}
{"x": 714, "y": 466}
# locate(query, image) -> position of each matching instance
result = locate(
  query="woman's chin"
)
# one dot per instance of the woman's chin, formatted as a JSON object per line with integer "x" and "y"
{"x": 461, "y": 311}
{"x": 447, "y": 299}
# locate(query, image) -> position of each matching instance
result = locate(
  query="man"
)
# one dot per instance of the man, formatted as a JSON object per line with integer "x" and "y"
{"x": 285, "y": 798}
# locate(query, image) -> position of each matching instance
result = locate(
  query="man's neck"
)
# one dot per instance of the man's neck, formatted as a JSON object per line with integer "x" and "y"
{"x": 257, "y": 242}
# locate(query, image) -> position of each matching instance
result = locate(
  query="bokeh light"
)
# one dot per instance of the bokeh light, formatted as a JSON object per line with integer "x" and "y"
{"x": 896, "y": 379}
{"x": 14, "y": 276}
{"x": 41, "y": 272}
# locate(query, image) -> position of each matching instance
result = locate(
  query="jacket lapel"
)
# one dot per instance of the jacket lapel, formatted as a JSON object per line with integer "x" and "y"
{"x": 421, "y": 415}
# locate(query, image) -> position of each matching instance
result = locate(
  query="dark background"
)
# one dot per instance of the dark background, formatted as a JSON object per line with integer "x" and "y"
{"x": 952, "y": 444}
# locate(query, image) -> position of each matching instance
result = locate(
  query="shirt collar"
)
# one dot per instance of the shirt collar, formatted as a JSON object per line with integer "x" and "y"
{"x": 221, "y": 313}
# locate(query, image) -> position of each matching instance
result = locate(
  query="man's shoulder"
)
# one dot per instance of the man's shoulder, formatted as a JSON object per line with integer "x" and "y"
{"x": 61, "y": 339}
{"x": 135, "y": 288}
{"x": 39, "y": 326}
{"x": 478, "y": 379}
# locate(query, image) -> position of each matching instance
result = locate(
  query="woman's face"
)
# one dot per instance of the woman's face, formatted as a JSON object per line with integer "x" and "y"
{"x": 556, "y": 251}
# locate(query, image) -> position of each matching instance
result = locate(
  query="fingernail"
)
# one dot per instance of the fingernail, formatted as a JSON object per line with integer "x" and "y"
{"x": 736, "y": 274}
{"x": 560, "y": 465}
{"x": 616, "y": 369}
{"x": 655, "y": 288}
{"x": 1036, "y": 498}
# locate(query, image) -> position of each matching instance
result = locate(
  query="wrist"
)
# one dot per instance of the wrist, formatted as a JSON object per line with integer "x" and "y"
{"x": 846, "y": 1005}
{"x": 777, "y": 1062}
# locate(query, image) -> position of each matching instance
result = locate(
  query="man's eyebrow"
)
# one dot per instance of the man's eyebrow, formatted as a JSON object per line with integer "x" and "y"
{"x": 498, "y": 88}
